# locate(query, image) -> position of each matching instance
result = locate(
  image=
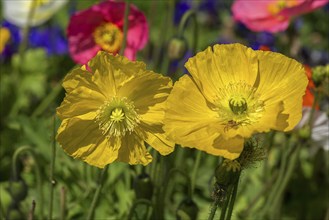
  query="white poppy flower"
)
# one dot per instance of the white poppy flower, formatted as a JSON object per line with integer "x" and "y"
{"x": 17, "y": 11}
{"x": 320, "y": 128}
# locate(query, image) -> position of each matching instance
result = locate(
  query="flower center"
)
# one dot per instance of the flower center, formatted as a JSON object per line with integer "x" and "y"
{"x": 117, "y": 117}
{"x": 109, "y": 37}
{"x": 238, "y": 105}
{"x": 277, "y": 6}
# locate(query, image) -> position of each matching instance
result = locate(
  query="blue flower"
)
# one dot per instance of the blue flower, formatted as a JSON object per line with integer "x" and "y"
{"x": 49, "y": 37}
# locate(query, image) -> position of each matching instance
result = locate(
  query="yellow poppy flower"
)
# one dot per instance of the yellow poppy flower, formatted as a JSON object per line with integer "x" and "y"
{"x": 109, "y": 112}
{"x": 233, "y": 93}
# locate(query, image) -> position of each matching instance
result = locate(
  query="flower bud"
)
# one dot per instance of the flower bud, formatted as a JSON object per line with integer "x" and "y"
{"x": 18, "y": 190}
{"x": 305, "y": 132}
{"x": 187, "y": 210}
{"x": 143, "y": 186}
{"x": 251, "y": 154}
{"x": 320, "y": 74}
{"x": 177, "y": 48}
{"x": 227, "y": 173}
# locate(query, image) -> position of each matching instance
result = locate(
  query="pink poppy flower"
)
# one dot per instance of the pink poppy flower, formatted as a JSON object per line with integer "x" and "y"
{"x": 101, "y": 28}
{"x": 271, "y": 15}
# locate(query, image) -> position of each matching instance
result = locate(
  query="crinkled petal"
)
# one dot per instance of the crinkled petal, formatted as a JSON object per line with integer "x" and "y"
{"x": 157, "y": 138}
{"x": 111, "y": 72}
{"x": 147, "y": 89}
{"x": 83, "y": 139}
{"x": 82, "y": 103}
{"x": 281, "y": 79}
{"x": 213, "y": 69}
{"x": 189, "y": 121}
{"x": 133, "y": 150}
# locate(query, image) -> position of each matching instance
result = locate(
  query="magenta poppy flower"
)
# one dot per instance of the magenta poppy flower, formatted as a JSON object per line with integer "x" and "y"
{"x": 101, "y": 28}
{"x": 271, "y": 15}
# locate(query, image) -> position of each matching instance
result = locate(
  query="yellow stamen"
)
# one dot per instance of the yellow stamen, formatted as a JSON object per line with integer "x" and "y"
{"x": 238, "y": 105}
{"x": 109, "y": 37}
{"x": 275, "y": 7}
{"x": 117, "y": 117}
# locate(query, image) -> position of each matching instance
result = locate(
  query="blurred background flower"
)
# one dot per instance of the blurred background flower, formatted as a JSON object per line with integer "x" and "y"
{"x": 100, "y": 27}
{"x": 17, "y": 12}
{"x": 49, "y": 37}
{"x": 272, "y": 15}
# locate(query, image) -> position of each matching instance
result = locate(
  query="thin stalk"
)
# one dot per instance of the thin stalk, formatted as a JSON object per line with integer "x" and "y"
{"x": 63, "y": 203}
{"x": 47, "y": 100}
{"x": 183, "y": 24}
{"x": 278, "y": 182}
{"x": 31, "y": 212}
{"x": 138, "y": 202}
{"x": 195, "y": 170}
{"x": 287, "y": 177}
{"x": 15, "y": 158}
{"x": 232, "y": 200}
{"x": 254, "y": 201}
{"x": 226, "y": 202}
{"x": 97, "y": 193}
{"x": 52, "y": 168}
{"x": 159, "y": 201}
{"x": 213, "y": 209}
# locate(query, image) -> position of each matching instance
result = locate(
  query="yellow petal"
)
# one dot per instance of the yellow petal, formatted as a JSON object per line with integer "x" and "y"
{"x": 156, "y": 138}
{"x": 228, "y": 148}
{"x": 189, "y": 121}
{"x": 77, "y": 76}
{"x": 282, "y": 79}
{"x": 133, "y": 151}
{"x": 212, "y": 70}
{"x": 146, "y": 89}
{"x": 82, "y": 102}
{"x": 110, "y": 72}
{"x": 83, "y": 140}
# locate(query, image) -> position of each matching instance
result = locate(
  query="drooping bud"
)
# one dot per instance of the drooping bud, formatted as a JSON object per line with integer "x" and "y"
{"x": 177, "y": 48}
{"x": 187, "y": 210}
{"x": 143, "y": 186}
{"x": 18, "y": 190}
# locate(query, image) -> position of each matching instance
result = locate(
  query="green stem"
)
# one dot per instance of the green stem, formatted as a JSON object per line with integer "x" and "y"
{"x": 31, "y": 212}
{"x": 190, "y": 14}
{"x": 97, "y": 193}
{"x": 37, "y": 170}
{"x": 213, "y": 209}
{"x": 226, "y": 202}
{"x": 282, "y": 172}
{"x": 267, "y": 186}
{"x": 195, "y": 170}
{"x": 232, "y": 200}
{"x": 125, "y": 27}
{"x": 63, "y": 203}
{"x": 47, "y": 100}
{"x": 15, "y": 158}
{"x": 310, "y": 119}
{"x": 138, "y": 202}
{"x": 52, "y": 168}
{"x": 290, "y": 168}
